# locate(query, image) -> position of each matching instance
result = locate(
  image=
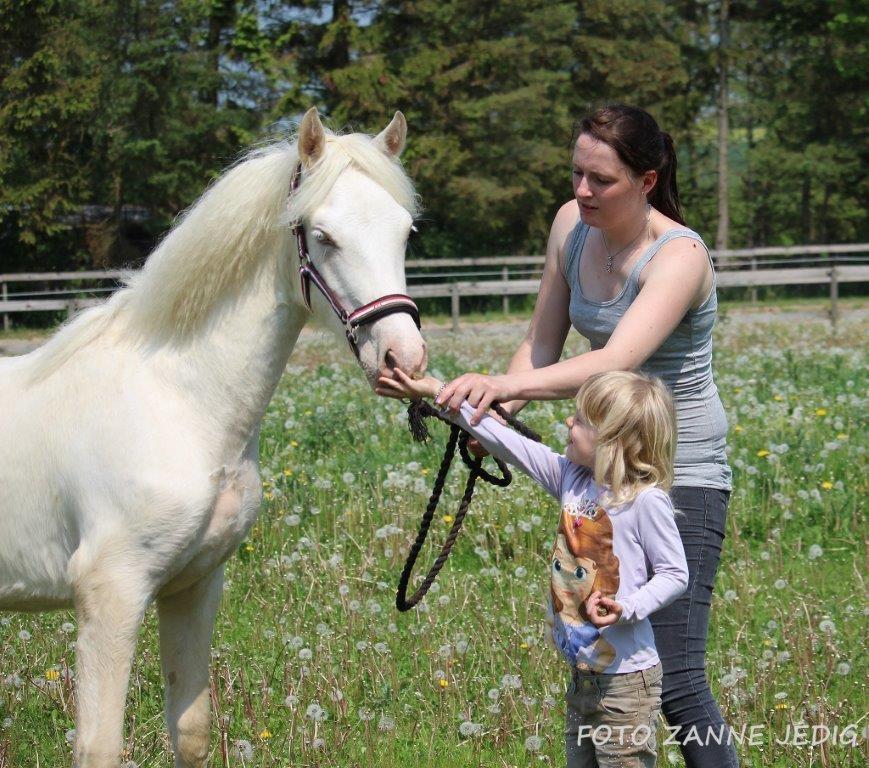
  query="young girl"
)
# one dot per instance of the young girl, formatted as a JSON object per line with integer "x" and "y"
{"x": 616, "y": 527}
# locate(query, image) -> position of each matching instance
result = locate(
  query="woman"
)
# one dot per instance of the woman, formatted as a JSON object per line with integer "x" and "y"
{"x": 623, "y": 269}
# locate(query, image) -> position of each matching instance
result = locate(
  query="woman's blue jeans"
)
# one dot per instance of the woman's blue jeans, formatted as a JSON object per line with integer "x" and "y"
{"x": 680, "y": 634}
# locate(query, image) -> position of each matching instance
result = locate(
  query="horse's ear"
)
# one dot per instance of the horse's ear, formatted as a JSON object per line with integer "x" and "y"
{"x": 312, "y": 138}
{"x": 391, "y": 139}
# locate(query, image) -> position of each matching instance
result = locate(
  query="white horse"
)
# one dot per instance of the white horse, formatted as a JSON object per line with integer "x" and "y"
{"x": 129, "y": 441}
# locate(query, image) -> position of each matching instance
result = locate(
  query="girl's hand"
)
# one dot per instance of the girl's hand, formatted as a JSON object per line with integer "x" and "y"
{"x": 403, "y": 386}
{"x": 597, "y": 601}
{"x": 479, "y": 390}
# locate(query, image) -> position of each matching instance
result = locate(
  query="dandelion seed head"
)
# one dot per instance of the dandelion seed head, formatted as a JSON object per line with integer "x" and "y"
{"x": 242, "y": 749}
{"x": 386, "y": 723}
{"x": 315, "y": 712}
{"x": 467, "y": 728}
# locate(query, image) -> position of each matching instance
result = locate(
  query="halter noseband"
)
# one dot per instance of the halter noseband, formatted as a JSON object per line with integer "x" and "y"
{"x": 368, "y": 313}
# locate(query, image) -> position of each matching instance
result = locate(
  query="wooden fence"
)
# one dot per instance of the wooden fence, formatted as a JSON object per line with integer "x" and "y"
{"x": 503, "y": 276}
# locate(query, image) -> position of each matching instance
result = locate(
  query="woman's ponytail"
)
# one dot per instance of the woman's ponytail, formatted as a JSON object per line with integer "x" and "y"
{"x": 665, "y": 195}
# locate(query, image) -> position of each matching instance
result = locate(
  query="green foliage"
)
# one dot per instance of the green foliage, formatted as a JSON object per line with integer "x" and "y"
{"x": 133, "y": 106}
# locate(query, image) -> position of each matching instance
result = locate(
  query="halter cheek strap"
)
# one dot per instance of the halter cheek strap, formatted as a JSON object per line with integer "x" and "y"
{"x": 354, "y": 319}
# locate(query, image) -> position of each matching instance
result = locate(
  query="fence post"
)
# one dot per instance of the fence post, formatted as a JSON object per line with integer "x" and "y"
{"x": 505, "y": 276}
{"x": 834, "y": 295}
{"x": 454, "y": 306}
{"x": 6, "y": 321}
{"x": 753, "y": 292}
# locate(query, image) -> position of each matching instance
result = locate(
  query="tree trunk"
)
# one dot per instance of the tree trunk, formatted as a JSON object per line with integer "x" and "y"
{"x": 723, "y": 234}
{"x": 806, "y": 209}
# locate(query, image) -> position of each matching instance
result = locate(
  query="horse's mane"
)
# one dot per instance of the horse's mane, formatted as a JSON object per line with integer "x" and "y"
{"x": 222, "y": 241}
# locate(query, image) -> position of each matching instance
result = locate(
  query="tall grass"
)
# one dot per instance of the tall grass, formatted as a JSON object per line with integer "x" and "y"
{"x": 313, "y": 666}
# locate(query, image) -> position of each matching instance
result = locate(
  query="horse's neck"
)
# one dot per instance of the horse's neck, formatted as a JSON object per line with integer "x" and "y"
{"x": 231, "y": 371}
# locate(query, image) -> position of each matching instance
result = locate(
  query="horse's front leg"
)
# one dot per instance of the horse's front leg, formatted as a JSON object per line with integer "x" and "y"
{"x": 186, "y": 625}
{"x": 110, "y": 601}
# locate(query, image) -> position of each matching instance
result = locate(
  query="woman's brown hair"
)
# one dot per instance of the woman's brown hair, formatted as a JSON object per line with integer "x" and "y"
{"x": 642, "y": 146}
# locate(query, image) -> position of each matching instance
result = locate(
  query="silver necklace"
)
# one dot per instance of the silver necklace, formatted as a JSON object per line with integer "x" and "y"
{"x": 610, "y": 255}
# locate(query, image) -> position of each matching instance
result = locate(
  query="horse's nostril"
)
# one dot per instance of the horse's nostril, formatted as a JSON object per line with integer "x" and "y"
{"x": 390, "y": 359}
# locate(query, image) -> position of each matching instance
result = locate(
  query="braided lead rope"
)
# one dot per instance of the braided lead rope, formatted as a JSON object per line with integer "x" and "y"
{"x": 416, "y": 413}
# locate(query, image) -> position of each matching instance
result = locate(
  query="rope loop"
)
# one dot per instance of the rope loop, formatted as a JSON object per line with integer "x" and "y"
{"x": 417, "y": 413}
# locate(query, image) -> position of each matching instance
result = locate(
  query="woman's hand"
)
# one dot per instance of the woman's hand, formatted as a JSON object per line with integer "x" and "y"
{"x": 597, "y": 601}
{"x": 404, "y": 386}
{"x": 479, "y": 390}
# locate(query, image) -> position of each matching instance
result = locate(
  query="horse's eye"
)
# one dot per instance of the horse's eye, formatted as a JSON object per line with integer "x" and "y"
{"x": 579, "y": 572}
{"x": 556, "y": 564}
{"x": 321, "y": 237}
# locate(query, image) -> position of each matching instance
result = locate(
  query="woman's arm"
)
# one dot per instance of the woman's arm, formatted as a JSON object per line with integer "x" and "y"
{"x": 674, "y": 281}
{"x": 550, "y": 323}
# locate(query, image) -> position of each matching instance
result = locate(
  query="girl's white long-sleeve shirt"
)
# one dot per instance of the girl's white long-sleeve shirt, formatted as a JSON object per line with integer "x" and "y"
{"x": 632, "y": 553}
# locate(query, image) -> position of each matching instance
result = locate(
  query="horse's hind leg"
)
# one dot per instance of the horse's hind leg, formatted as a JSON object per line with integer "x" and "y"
{"x": 110, "y": 603}
{"x": 186, "y": 625}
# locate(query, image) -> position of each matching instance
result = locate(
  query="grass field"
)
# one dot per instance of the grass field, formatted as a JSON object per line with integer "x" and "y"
{"x": 313, "y": 666}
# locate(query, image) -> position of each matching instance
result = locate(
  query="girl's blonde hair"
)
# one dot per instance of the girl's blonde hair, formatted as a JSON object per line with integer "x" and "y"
{"x": 635, "y": 421}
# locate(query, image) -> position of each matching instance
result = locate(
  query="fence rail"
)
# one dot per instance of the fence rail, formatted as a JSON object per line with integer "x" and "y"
{"x": 457, "y": 278}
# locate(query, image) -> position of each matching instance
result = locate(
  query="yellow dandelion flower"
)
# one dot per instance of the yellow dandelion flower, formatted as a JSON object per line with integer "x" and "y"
{"x": 268, "y": 495}
{"x": 737, "y": 428}
{"x": 841, "y": 436}
{"x": 288, "y": 472}
{"x": 827, "y": 485}
{"x": 777, "y": 397}
{"x": 523, "y": 646}
{"x": 738, "y": 390}
{"x": 424, "y": 470}
{"x": 448, "y": 519}
{"x": 265, "y": 733}
{"x": 821, "y": 412}
{"x": 443, "y": 683}
{"x": 762, "y": 452}
{"x": 52, "y": 674}
{"x": 294, "y": 443}
{"x": 248, "y": 547}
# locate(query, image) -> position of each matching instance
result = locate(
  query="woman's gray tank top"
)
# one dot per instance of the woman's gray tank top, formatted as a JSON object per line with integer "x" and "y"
{"x": 683, "y": 362}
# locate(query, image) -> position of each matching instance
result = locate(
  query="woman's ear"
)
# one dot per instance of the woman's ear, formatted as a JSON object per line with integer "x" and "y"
{"x": 650, "y": 178}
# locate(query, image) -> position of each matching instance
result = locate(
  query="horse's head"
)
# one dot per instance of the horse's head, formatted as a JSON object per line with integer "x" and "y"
{"x": 356, "y": 205}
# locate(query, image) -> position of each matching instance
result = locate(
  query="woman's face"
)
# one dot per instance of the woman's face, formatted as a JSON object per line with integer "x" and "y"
{"x": 608, "y": 192}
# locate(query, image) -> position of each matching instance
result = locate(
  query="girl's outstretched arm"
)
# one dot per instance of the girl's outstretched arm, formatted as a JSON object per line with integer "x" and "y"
{"x": 536, "y": 460}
